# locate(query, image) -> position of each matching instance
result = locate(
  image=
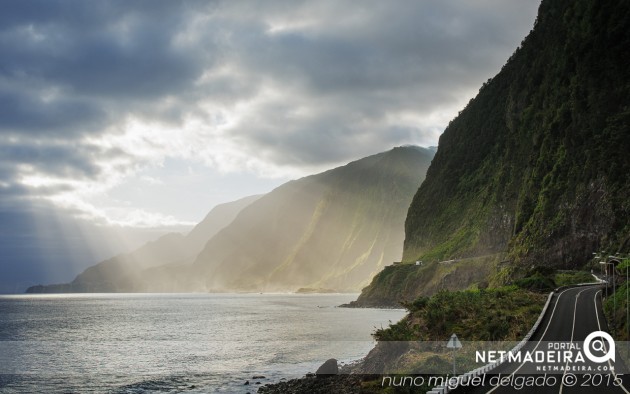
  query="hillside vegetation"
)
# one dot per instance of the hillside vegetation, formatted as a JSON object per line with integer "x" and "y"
{"x": 499, "y": 317}
{"x": 535, "y": 169}
{"x": 537, "y": 164}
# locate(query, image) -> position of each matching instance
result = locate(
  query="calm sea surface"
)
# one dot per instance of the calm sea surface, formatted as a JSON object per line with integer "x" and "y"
{"x": 164, "y": 343}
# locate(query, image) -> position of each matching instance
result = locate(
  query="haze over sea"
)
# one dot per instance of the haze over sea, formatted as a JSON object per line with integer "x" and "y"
{"x": 167, "y": 343}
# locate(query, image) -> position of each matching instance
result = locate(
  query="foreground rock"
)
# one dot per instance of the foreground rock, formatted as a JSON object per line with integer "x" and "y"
{"x": 329, "y": 368}
{"x": 342, "y": 384}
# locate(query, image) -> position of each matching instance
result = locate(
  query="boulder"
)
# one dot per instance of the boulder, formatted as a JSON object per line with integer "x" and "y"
{"x": 330, "y": 367}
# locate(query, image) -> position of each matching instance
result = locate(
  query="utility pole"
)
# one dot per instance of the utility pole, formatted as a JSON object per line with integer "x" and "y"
{"x": 627, "y": 315}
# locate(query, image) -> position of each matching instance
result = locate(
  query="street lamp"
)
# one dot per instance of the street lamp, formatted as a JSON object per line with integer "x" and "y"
{"x": 605, "y": 277}
{"x": 627, "y": 306}
{"x": 598, "y": 257}
{"x": 619, "y": 259}
{"x": 606, "y": 263}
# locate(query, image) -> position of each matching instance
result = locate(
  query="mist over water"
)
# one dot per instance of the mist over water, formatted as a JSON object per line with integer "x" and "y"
{"x": 141, "y": 343}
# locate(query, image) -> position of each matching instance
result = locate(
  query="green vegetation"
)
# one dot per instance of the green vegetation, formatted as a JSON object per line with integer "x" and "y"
{"x": 537, "y": 164}
{"x": 536, "y": 282}
{"x": 535, "y": 168}
{"x": 617, "y": 318}
{"x": 567, "y": 278}
{"x": 399, "y": 283}
{"x": 540, "y": 279}
{"x": 546, "y": 279}
{"x": 500, "y": 314}
{"x": 416, "y": 344}
{"x": 615, "y": 305}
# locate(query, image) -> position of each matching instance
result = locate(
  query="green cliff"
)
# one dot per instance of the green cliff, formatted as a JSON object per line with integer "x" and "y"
{"x": 535, "y": 169}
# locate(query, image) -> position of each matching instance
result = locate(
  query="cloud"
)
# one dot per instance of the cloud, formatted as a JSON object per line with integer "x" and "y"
{"x": 105, "y": 106}
{"x": 92, "y": 95}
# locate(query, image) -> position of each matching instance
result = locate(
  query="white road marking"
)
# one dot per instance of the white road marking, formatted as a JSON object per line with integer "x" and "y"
{"x": 572, "y": 332}
{"x": 541, "y": 337}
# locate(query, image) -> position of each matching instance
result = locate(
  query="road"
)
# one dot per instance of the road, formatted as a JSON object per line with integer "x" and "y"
{"x": 572, "y": 315}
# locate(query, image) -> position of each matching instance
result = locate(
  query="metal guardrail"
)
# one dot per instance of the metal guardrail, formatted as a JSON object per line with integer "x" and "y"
{"x": 444, "y": 389}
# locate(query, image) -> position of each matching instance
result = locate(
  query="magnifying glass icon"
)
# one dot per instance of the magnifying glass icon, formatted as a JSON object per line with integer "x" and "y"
{"x": 598, "y": 345}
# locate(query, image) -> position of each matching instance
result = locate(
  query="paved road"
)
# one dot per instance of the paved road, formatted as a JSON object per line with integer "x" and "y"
{"x": 572, "y": 315}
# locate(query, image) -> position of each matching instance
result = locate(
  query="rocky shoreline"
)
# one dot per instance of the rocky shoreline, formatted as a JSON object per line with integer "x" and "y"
{"x": 329, "y": 378}
{"x": 361, "y": 376}
{"x": 343, "y": 384}
{"x": 374, "y": 304}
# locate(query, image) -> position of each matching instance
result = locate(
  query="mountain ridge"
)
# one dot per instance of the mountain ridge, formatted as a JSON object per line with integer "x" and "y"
{"x": 283, "y": 241}
{"x": 333, "y": 230}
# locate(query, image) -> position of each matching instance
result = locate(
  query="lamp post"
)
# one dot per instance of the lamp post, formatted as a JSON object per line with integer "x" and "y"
{"x": 604, "y": 272}
{"x": 627, "y": 314}
{"x": 606, "y": 263}
{"x": 624, "y": 259}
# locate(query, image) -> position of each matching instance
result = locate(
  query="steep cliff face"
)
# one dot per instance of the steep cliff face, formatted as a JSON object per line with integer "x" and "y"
{"x": 334, "y": 230}
{"x": 537, "y": 164}
{"x": 535, "y": 170}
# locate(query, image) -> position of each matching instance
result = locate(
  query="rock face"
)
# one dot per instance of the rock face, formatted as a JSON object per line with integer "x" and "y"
{"x": 537, "y": 164}
{"x": 535, "y": 169}
{"x": 405, "y": 282}
{"x": 329, "y": 367}
{"x": 333, "y": 230}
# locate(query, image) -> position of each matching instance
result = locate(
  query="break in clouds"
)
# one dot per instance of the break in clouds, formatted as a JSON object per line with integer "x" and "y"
{"x": 95, "y": 95}
{"x": 95, "y": 92}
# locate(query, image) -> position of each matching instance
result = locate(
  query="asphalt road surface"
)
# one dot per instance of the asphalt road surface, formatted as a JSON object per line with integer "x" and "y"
{"x": 572, "y": 315}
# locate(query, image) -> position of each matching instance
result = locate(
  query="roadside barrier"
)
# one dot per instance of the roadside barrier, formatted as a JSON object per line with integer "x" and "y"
{"x": 444, "y": 389}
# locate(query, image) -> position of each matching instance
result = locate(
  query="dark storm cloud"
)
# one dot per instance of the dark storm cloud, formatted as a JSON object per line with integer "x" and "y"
{"x": 393, "y": 45}
{"x": 62, "y": 160}
{"x": 21, "y": 112}
{"x": 369, "y": 61}
{"x": 346, "y": 79}
{"x": 94, "y": 57}
{"x": 71, "y": 68}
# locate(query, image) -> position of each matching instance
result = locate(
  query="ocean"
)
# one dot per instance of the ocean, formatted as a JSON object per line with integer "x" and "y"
{"x": 175, "y": 343}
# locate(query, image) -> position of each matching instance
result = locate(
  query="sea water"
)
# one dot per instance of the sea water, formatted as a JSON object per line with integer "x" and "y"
{"x": 175, "y": 343}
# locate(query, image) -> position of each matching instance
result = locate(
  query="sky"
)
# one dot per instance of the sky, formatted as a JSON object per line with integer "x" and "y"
{"x": 123, "y": 120}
